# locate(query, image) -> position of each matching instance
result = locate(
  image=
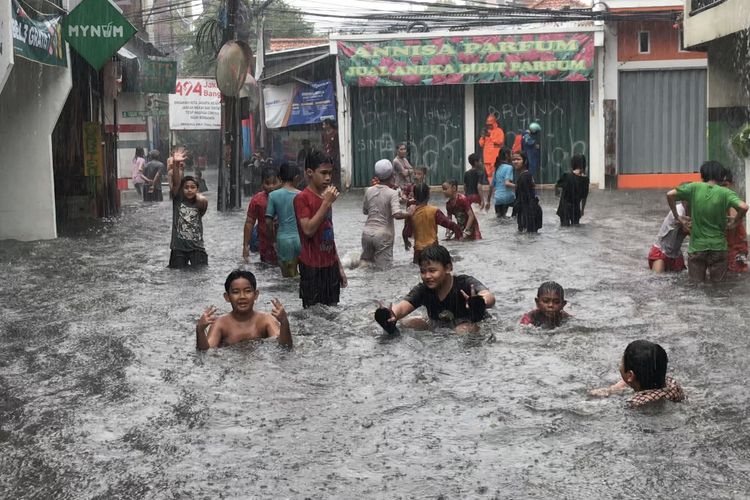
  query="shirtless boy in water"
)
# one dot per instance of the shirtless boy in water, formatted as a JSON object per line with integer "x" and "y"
{"x": 243, "y": 323}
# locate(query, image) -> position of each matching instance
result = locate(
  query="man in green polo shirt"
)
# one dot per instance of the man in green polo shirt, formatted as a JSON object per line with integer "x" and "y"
{"x": 708, "y": 203}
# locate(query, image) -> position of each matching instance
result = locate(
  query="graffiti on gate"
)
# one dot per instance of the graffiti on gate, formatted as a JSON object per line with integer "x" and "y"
{"x": 433, "y": 134}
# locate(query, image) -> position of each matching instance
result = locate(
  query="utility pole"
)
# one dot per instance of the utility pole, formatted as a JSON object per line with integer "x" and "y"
{"x": 260, "y": 58}
{"x": 229, "y": 163}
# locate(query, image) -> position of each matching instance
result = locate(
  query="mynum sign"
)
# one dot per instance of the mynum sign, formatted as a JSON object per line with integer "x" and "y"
{"x": 468, "y": 59}
{"x": 96, "y": 29}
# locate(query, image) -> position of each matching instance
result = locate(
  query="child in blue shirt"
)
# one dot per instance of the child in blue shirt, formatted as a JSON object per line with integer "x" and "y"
{"x": 281, "y": 206}
{"x": 502, "y": 188}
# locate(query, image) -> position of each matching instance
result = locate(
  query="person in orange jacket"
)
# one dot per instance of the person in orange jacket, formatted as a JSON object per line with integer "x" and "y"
{"x": 491, "y": 143}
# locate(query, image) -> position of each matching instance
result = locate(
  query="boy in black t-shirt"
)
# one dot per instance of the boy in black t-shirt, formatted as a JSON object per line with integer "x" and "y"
{"x": 188, "y": 208}
{"x": 456, "y": 301}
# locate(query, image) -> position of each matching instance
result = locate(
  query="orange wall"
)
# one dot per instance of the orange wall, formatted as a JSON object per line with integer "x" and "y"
{"x": 664, "y": 42}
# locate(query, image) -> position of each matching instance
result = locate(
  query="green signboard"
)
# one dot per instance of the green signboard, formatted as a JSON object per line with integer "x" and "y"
{"x": 39, "y": 38}
{"x": 156, "y": 76}
{"x": 468, "y": 59}
{"x": 96, "y": 29}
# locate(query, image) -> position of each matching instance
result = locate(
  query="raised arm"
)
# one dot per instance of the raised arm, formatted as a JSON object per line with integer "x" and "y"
{"x": 280, "y": 327}
{"x": 310, "y": 225}
{"x": 204, "y": 340}
{"x": 177, "y": 171}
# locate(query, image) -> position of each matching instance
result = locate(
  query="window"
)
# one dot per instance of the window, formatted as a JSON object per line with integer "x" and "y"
{"x": 698, "y": 6}
{"x": 644, "y": 42}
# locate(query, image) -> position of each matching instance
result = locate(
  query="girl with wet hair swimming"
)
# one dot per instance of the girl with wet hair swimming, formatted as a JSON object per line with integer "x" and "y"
{"x": 550, "y": 301}
{"x": 643, "y": 368}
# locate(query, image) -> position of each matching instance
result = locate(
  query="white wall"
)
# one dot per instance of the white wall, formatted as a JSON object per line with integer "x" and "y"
{"x": 30, "y": 104}
{"x": 724, "y": 19}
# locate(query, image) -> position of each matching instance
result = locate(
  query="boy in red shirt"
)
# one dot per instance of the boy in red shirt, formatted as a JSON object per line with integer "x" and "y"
{"x": 459, "y": 206}
{"x": 256, "y": 211}
{"x": 736, "y": 235}
{"x": 321, "y": 273}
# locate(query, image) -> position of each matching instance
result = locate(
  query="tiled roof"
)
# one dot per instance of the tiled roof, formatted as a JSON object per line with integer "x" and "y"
{"x": 278, "y": 44}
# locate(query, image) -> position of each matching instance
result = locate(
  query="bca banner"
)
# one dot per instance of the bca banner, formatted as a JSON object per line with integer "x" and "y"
{"x": 298, "y": 104}
{"x": 468, "y": 59}
{"x": 195, "y": 105}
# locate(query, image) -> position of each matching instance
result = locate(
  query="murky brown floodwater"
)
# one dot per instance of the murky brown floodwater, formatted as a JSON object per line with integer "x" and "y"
{"x": 102, "y": 394}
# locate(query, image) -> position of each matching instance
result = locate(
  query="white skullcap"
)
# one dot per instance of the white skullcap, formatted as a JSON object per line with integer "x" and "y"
{"x": 383, "y": 169}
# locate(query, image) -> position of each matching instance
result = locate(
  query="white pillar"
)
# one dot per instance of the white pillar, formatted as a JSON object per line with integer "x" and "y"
{"x": 469, "y": 137}
{"x": 344, "y": 119}
{"x": 30, "y": 104}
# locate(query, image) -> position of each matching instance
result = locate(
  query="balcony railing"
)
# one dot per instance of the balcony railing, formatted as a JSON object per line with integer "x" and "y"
{"x": 698, "y": 6}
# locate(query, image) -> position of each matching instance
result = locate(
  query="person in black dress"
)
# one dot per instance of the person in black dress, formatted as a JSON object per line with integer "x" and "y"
{"x": 528, "y": 211}
{"x": 575, "y": 190}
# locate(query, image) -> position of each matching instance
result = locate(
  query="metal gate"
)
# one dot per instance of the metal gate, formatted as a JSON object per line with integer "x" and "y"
{"x": 430, "y": 119}
{"x": 662, "y": 125}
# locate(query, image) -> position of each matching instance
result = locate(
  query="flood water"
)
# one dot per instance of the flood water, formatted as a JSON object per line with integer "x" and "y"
{"x": 103, "y": 395}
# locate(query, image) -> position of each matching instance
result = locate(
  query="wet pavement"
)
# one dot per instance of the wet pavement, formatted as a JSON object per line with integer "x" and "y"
{"x": 103, "y": 395}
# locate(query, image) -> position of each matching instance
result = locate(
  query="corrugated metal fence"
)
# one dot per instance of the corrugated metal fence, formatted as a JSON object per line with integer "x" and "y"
{"x": 663, "y": 120}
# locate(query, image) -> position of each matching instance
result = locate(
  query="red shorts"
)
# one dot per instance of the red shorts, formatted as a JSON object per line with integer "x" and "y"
{"x": 670, "y": 264}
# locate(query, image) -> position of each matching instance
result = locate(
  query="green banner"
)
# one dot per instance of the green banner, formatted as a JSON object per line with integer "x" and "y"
{"x": 39, "y": 38}
{"x": 96, "y": 29}
{"x": 468, "y": 59}
{"x": 156, "y": 76}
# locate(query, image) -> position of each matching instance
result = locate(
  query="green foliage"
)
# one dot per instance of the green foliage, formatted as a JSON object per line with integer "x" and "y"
{"x": 281, "y": 21}
{"x": 741, "y": 141}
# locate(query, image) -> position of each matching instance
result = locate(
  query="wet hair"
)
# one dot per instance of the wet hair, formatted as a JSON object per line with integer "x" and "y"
{"x": 435, "y": 253}
{"x": 154, "y": 154}
{"x": 648, "y": 361}
{"x": 551, "y": 287}
{"x": 240, "y": 273}
{"x": 402, "y": 144}
{"x": 525, "y": 158}
{"x": 139, "y": 153}
{"x": 188, "y": 178}
{"x": 451, "y": 182}
{"x": 315, "y": 159}
{"x": 270, "y": 172}
{"x": 421, "y": 193}
{"x": 578, "y": 162}
{"x": 287, "y": 172}
{"x": 728, "y": 177}
{"x": 473, "y": 158}
{"x": 503, "y": 157}
{"x": 712, "y": 171}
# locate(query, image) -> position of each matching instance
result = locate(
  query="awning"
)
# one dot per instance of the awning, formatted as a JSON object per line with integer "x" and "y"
{"x": 123, "y": 52}
{"x": 294, "y": 68}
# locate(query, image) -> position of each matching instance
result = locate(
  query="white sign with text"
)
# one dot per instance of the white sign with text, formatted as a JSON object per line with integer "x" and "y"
{"x": 195, "y": 105}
